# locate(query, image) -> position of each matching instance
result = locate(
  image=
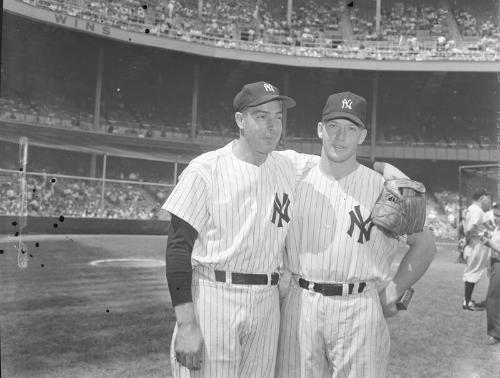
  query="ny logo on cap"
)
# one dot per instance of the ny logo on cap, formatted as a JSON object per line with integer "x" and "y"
{"x": 347, "y": 103}
{"x": 268, "y": 87}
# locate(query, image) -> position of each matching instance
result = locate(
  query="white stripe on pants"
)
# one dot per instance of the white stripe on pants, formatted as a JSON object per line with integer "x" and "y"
{"x": 240, "y": 326}
{"x": 332, "y": 336}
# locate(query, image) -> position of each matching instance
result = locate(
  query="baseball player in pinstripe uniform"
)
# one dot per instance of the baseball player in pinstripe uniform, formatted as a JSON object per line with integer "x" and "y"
{"x": 332, "y": 322}
{"x": 230, "y": 214}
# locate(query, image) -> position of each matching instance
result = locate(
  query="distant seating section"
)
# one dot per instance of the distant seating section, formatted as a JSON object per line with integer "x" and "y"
{"x": 81, "y": 198}
{"x": 315, "y": 24}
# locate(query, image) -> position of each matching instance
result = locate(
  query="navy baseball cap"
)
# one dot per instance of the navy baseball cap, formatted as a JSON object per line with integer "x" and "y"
{"x": 479, "y": 193}
{"x": 345, "y": 105}
{"x": 257, "y": 94}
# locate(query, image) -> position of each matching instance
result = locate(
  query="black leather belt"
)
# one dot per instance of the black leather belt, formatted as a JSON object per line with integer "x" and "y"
{"x": 329, "y": 289}
{"x": 246, "y": 278}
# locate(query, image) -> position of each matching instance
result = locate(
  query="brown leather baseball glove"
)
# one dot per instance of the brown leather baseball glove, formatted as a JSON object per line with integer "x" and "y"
{"x": 400, "y": 208}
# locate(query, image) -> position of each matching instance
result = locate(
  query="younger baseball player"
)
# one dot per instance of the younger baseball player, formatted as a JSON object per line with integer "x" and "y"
{"x": 332, "y": 319}
{"x": 475, "y": 253}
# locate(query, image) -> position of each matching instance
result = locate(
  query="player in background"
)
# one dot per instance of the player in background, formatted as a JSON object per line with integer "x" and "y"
{"x": 230, "y": 215}
{"x": 493, "y": 296}
{"x": 332, "y": 318}
{"x": 475, "y": 253}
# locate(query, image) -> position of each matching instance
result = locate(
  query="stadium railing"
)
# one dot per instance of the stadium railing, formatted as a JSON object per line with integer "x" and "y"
{"x": 209, "y": 136}
{"x": 322, "y": 48}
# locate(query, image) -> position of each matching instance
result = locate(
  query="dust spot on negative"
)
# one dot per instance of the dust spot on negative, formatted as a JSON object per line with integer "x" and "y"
{"x": 54, "y": 225}
{"x": 61, "y": 218}
{"x": 53, "y": 180}
{"x": 350, "y": 4}
{"x": 144, "y": 7}
{"x": 42, "y": 265}
{"x": 1, "y": 251}
{"x": 146, "y": 31}
{"x": 14, "y": 223}
{"x": 37, "y": 244}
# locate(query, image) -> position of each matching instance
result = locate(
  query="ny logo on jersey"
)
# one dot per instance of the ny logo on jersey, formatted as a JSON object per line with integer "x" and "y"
{"x": 357, "y": 219}
{"x": 347, "y": 103}
{"x": 268, "y": 87}
{"x": 281, "y": 210}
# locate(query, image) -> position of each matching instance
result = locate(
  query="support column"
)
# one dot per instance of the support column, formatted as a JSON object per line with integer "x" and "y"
{"x": 377, "y": 18}
{"x": 286, "y": 85}
{"x": 98, "y": 91}
{"x": 103, "y": 183}
{"x": 289, "y": 14}
{"x": 176, "y": 169}
{"x": 93, "y": 165}
{"x": 200, "y": 8}
{"x": 194, "y": 108}
{"x": 373, "y": 128}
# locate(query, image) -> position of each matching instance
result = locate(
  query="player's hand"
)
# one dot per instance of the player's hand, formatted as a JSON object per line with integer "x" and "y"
{"x": 388, "y": 298}
{"x": 188, "y": 345}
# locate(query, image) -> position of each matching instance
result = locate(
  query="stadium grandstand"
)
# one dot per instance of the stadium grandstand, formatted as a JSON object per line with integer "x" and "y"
{"x": 152, "y": 106}
{"x": 104, "y": 103}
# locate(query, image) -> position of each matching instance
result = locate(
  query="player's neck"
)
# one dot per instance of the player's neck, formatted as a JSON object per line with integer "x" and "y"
{"x": 337, "y": 170}
{"x": 244, "y": 152}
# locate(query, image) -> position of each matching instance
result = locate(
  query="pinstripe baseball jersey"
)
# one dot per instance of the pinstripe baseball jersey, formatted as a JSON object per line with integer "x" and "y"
{"x": 241, "y": 211}
{"x": 331, "y": 236}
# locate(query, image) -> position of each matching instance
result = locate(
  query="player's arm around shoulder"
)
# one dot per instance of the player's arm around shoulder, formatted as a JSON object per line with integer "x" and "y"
{"x": 389, "y": 171}
{"x": 414, "y": 264}
{"x": 301, "y": 162}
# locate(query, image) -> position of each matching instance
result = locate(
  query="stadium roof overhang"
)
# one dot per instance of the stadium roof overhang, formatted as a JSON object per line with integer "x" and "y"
{"x": 102, "y": 144}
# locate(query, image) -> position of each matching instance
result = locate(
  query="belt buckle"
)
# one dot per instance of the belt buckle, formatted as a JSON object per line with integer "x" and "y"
{"x": 310, "y": 287}
{"x": 269, "y": 279}
{"x": 355, "y": 289}
{"x": 229, "y": 277}
{"x": 345, "y": 289}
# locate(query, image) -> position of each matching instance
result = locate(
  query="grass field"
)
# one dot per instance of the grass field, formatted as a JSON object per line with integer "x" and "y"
{"x": 70, "y": 318}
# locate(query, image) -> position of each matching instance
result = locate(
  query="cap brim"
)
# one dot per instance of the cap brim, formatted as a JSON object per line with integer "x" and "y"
{"x": 349, "y": 116}
{"x": 288, "y": 102}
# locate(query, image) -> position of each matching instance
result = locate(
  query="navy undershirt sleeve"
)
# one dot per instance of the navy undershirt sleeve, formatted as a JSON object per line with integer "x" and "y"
{"x": 181, "y": 238}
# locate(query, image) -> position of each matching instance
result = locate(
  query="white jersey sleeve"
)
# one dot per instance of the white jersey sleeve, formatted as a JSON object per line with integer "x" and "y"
{"x": 302, "y": 162}
{"x": 188, "y": 200}
{"x": 475, "y": 215}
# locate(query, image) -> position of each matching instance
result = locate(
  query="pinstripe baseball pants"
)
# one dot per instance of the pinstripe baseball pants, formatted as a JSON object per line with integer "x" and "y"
{"x": 239, "y": 324}
{"x": 332, "y": 336}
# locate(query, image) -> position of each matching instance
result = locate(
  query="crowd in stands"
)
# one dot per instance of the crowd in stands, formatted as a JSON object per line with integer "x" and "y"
{"x": 51, "y": 196}
{"x": 314, "y": 29}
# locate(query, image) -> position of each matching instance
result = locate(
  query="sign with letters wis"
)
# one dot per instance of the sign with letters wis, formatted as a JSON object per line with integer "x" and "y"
{"x": 89, "y": 26}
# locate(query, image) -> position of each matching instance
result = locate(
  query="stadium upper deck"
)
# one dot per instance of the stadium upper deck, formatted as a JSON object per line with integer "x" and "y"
{"x": 311, "y": 28}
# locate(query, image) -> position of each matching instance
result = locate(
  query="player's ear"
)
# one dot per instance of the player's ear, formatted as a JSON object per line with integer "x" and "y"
{"x": 362, "y": 136}
{"x": 320, "y": 130}
{"x": 238, "y": 116}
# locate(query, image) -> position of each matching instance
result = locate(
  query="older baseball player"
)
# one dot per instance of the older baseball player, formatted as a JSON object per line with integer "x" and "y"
{"x": 332, "y": 318}
{"x": 475, "y": 253}
{"x": 230, "y": 214}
